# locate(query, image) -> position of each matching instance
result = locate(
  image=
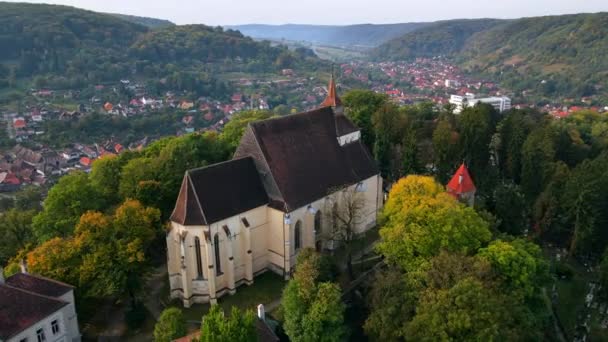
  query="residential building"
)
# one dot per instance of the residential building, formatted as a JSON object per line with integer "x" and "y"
{"x": 254, "y": 213}
{"x": 36, "y": 309}
{"x": 501, "y": 103}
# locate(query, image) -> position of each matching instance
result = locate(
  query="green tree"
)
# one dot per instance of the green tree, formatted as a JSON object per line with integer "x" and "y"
{"x": 235, "y": 128}
{"x": 468, "y": 311}
{"x": 71, "y": 197}
{"x": 360, "y": 106}
{"x": 538, "y": 155}
{"x": 29, "y": 198}
{"x": 476, "y": 126}
{"x": 510, "y": 208}
{"x": 313, "y": 310}
{"x": 445, "y": 148}
{"x": 15, "y": 233}
{"x": 170, "y": 326}
{"x": 238, "y": 327}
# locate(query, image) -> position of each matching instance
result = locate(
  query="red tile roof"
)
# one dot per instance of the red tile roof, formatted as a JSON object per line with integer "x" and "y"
{"x": 461, "y": 183}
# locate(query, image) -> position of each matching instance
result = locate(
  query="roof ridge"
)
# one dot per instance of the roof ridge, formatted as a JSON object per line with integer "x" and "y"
{"x": 37, "y": 276}
{"x": 35, "y": 293}
{"x": 283, "y": 117}
{"x": 210, "y": 166}
{"x": 196, "y": 197}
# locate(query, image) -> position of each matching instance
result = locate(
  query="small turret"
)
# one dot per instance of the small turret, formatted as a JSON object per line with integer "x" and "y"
{"x": 332, "y": 99}
{"x": 462, "y": 187}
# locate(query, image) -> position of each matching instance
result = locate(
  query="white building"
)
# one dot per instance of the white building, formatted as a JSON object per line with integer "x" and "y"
{"x": 501, "y": 103}
{"x": 452, "y": 83}
{"x": 37, "y": 309}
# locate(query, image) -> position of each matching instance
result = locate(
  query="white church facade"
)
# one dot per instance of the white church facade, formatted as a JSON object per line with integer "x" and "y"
{"x": 254, "y": 213}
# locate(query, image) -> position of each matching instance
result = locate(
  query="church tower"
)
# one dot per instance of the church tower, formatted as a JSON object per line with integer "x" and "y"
{"x": 333, "y": 100}
{"x": 462, "y": 187}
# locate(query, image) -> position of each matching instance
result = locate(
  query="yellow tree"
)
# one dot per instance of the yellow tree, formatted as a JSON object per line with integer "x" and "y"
{"x": 420, "y": 220}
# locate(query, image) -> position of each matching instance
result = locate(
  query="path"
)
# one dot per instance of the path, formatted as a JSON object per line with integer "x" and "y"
{"x": 154, "y": 286}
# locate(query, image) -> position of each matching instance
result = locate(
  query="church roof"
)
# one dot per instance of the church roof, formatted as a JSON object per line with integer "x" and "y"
{"x": 304, "y": 158}
{"x": 216, "y": 192}
{"x": 461, "y": 182}
{"x": 344, "y": 125}
{"x": 332, "y": 99}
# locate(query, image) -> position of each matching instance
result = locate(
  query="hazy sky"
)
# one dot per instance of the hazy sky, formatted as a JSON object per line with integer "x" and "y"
{"x": 336, "y": 12}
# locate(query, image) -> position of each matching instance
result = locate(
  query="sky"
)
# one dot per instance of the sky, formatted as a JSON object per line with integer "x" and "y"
{"x": 331, "y": 12}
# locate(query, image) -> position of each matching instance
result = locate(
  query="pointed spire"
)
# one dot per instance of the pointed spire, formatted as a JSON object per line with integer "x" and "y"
{"x": 332, "y": 99}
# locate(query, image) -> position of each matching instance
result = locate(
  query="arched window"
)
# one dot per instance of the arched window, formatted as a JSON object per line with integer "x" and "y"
{"x": 318, "y": 222}
{"x": 218, "y": 263}
{"x": 298, "y": 235}
{"x": 199, "y": 260}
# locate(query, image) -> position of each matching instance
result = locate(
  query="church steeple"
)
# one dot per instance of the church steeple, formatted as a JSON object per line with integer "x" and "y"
{"x": 332, "y": 99}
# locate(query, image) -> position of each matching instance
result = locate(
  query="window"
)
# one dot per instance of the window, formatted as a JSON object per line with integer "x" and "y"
{"x": 298, "y": 235}
{"x": 318, "y": 222}
{"x": 245, "y": 222}
{"x": 199, "y": 260}
{"x": 55, "y": 327}
{"x": 40, "y": 335}
{"x": 218, "y": 264}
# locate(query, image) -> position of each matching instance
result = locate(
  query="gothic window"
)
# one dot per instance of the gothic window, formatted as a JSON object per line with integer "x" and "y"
{"x": 218, "y": 264}
{"x": 318, "y": 222}
{"x": 298, "y": 235}
{"x": 199, "y": 260}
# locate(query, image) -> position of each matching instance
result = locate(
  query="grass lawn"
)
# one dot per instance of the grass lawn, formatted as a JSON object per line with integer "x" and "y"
{"x": 266, "y": 288}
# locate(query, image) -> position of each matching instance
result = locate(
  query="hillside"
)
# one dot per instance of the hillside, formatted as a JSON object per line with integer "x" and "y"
{"x": 145, "y": 21}
{"x": 66, "y": 47}
{"x": 553, "y": 55}
{"x": 440, "y": 38}
{"x": 364, "y": 35}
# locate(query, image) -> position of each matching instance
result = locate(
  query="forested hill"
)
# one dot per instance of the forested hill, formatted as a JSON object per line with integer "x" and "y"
{"x": 363, "y": 35}
{"x": 439, "y": 38}
{"x": 145, "y": 21}
{"x": 69, "y": 47}
{"x": 566, "y": 54}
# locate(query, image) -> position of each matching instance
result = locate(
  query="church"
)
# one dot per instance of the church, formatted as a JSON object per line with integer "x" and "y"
{"x": 237, "y": 219}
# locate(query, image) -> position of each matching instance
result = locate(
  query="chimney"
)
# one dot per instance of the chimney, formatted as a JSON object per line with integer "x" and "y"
{"x": 261, "y": 312}
{"x": 23, "y": 266}
{"x": 1, "y": 275}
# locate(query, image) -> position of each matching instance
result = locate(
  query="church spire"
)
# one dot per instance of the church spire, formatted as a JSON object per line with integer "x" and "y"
{"x": 332, "y": 99}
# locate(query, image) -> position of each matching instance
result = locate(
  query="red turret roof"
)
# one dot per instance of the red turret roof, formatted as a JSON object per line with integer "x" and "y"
{"x": 332, "y": 99}
{"x": 461, "y": 183}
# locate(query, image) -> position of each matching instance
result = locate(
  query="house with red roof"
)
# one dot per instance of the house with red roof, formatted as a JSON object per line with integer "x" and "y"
{"x": 19, "y": 123}
{"x": 462, "y": 187}
{"x": 34, "y": 308}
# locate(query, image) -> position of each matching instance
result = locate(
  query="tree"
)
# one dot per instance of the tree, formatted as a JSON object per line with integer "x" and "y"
{"x": 360, "y": 106}
{"x": 29, "y": 198}
{"x": 420, "y": 220}
{"x": 235, "y": 128}
{"x": 468, "y": 311}
{"x": 71, "y": 197}
{"x": 476, "y": 126}
{"x": 345, "y": 217}
{"x": 238, "y": 327}
{"x": 170, "y": 326}
{"x": 510, "y": 208}
{"x": 519, "y": 265}
{"x": 445, "y": 148}
{"x": 313, "y": 310}
{"x": 15, "y": 233}
{"x": 538, "y": 155}
{"x": 107, "y": 256}
{"x": 391, "y": 304}
{"x": 106, "y": 174}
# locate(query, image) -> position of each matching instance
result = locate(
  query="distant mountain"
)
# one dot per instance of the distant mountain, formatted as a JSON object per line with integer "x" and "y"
{"x": 364, "y": 35}
{"x": 553, "y": 55}
{"x": 145, "y": 21}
